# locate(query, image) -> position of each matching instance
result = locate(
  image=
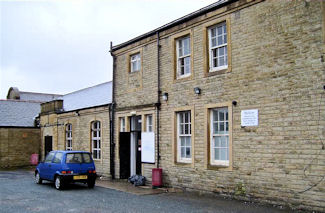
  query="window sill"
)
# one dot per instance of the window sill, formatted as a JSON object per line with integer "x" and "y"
{"x": 219, "y": 167}
{"x": 185, "y": 78}
{"x": 217, "y": 72}
{"x": 181, "y": 163}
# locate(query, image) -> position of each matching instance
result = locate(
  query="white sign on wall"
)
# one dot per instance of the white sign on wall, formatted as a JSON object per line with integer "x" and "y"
{"x": 249, "y": 117}
{"x": 148, "y": 147}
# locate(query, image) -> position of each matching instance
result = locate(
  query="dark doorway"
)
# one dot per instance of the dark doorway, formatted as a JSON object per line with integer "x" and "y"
{"x": 48, "y": 144}
{"x": 124, "y": 155}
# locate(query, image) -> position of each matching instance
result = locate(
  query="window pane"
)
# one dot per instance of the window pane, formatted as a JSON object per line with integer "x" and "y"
{"x": 221, "y": 115}
{"x": 216, "y": 154}
{"x": 187, "y": 48}
{"x": 213, "y": 42}
{"x": 217, "y": 142}
{"x": 180, "y": 48}
{"x": 223, "y": 154}
{"x": 188, "y": 152}
{"x": 188, "y": 141}
{"x": 213, "y": 32}
{"x": 94, "y": 144}
{"x": 220, "y": 40}
{"x": 187, "y": 68}
{"x": 182, "y": 152}
{"x": 220, "y": 30}
{"x": 98, "y": 143}
{"x": 182, "y": 141}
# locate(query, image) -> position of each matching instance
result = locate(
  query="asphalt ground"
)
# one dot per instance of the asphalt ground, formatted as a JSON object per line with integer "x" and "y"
{"x": 19, "y": 193}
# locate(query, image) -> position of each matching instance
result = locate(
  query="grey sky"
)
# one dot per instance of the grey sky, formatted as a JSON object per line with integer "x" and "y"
{"x": 59, "y": 46}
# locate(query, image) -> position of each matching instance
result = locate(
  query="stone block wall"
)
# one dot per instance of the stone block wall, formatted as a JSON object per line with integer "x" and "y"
{"x": 17, "y": 145}
{"x": 277, "y": 67}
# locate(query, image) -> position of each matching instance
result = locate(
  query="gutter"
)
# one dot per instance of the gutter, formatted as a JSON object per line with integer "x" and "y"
{"x": 112, "y": 118}
{"x": 158, "y": 104}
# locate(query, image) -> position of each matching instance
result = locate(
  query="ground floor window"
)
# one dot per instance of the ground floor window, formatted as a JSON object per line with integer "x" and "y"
{"x": 96, "y": 139}
{"x": 219, "y": 136}
{"x": 184, "y": 137}
{"x": 68, "y": 137}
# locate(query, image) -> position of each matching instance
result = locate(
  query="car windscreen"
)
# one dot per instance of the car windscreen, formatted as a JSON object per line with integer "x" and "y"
{"x": 78, "y": 158}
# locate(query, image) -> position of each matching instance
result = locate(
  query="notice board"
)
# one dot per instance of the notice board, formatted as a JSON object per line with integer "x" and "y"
{"x": 148, "y": 147}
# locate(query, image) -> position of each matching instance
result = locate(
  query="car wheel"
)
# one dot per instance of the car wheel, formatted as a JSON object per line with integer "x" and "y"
{"x": 91, "y": 184}
{"x": 58, "y": 183}
{"x": 38, "y": 179}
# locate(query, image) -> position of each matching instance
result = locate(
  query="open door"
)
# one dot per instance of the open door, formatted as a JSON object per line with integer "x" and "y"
{"x": 48, "y": 144}
{"x": 124, "y": 155}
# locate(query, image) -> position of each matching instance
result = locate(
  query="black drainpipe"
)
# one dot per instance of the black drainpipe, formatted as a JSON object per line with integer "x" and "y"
{"x": 158, "y": 104}
{"x": 112, "y": 115}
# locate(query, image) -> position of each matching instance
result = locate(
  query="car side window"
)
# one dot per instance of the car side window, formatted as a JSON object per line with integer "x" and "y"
{"x": 58, "y": 157}
{"x": 49, "y": 157}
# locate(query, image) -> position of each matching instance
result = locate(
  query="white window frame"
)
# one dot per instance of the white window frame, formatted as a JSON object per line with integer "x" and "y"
{"x": 149, "y": 123}
{"x": 122, "y": 124}
{"x": 224, "y": 34}
{"x": 135, "y": 59}
{"x": 96, "y": 139}
{"x": 68, "y": 137}
{"x": 225, "y": 134}
{"x": 181, "y": 57}
{"x": 181, "y": 125}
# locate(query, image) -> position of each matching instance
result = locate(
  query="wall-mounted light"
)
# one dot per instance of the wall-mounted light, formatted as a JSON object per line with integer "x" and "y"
{"x": 234, "y": 103}
{"x": 197, "y": 90}
{"x": 165, "y": 96}
{"x": 77, "y": 113}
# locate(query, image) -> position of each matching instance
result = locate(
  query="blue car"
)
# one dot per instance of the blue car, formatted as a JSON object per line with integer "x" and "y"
{"x": 62, "y": 167}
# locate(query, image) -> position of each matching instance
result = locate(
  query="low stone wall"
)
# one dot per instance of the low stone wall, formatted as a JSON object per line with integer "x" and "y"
{"x": 17, "y": 144}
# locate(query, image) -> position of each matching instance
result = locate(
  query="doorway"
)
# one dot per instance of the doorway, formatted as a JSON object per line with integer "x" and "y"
{"x": 48, "y": 144}
{"x": 130, "y": 149}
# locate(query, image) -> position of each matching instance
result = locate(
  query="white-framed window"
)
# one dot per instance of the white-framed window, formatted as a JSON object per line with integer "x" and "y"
{"x": 122, "y": 125}
{"x": 183, "y": 51}
{"x": 68, "y": 137}
{"x": 96, "y": 139}
{"x": 219, "y": 136}
{"x": 135, "y": 61}
{"x": 184, "y": 141}
{"x": 218, "y": 51}
{"x": 149, "y": 126}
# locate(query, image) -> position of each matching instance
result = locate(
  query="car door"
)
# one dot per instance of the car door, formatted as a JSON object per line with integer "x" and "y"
{"x": 45, "y": 169}
{"x": 55, "y": 165}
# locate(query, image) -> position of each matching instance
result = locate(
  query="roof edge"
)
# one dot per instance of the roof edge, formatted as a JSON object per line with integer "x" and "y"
{"x": 178, "y": 21}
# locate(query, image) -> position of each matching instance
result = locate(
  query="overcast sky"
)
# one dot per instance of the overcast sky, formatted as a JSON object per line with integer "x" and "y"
{"x": 59, "y": 46}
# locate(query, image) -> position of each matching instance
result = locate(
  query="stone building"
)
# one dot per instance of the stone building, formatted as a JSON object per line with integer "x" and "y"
{"x": 79, "y": 121}
{"x": 228, "y": 99}
{"x": 19, "y": 132}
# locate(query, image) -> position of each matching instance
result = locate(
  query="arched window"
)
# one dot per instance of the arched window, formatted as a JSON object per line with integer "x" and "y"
{"x": 95, "y": 139}
{"x": 68, "y": 137}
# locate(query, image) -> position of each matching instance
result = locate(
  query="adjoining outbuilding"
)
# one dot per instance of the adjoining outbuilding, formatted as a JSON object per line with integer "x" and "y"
{"x": 79, "y": 121}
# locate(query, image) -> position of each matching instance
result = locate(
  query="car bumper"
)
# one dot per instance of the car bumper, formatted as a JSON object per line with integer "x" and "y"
{"x": 78, "y": 177}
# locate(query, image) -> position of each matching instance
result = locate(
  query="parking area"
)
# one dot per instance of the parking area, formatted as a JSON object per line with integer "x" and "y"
{"x": 19, "y": 193}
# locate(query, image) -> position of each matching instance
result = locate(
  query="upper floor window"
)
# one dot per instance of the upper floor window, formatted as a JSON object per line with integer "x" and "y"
{"x": 218, "y": 48}
{"x": 68, "y": 137}
{"x": 149, "y": 123}
{"x": 135, "y": 61}
{"x": 96, "y": 139}
{"x": 183, "y": 50}
{"x": 184, "y": 144}
{"x": 219, "y": 138}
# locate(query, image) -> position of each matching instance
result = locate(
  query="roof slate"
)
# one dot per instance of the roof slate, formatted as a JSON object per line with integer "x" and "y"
{"x": 18, "y": 113}
{"x": 89, "y": 97}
